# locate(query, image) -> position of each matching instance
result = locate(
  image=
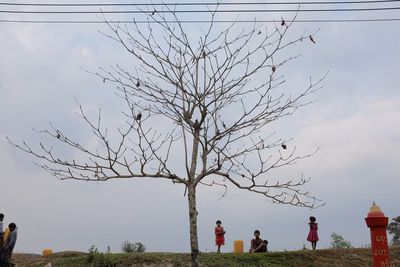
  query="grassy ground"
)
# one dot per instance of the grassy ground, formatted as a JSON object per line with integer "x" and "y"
{"x": 319, "y": 258}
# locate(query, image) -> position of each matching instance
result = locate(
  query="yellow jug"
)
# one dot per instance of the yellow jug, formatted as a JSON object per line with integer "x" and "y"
{"x": 238, "y": 246}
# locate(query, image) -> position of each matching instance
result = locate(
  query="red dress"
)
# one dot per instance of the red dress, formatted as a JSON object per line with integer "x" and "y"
{"x": 313, "y": 234}
{"x": 219, "y": 236}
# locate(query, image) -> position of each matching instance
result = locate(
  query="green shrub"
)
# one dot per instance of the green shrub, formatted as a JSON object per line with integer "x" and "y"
{"x": 337, "y": 241}
{"x": 394, "y": 229}
{"x": 100, "y": 259}
{"x": 130, "y": 247}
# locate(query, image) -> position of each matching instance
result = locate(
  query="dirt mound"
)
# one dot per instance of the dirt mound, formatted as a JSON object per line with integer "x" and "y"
{"x": 356, "y": 257}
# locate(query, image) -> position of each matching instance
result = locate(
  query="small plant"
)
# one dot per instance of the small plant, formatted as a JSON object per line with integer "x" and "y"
{"x": 337, "y": 241}
{"x": 93, "y": 251}
{"x": 100, "y": 259}
{"x": 130, "y": 247}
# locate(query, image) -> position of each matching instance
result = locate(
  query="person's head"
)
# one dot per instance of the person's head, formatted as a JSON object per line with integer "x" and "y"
{"x": 312, "y": 219}
{"x": 218, "y": 222}
{"x": 265, "y": 242}
{"x": 1, "y": 217}
{"x": 257, "y": 233}
{"x": 12, "y": 226}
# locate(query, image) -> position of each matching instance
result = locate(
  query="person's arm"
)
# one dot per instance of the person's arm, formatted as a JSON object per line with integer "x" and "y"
{"x": 11, "y": 240}
{"x": 222, "y": 231}
{"x": 252, "y": 245}
{"x": 6, "y": 242}
{"x": 259, "y": 247}
{"x": 217, "y": 231}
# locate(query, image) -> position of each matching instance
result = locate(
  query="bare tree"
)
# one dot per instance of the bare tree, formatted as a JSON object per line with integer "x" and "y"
{"x": 217, "y": 94}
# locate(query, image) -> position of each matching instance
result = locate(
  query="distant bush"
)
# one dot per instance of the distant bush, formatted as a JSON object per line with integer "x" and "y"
{"x": 366, "y": 245}
{"x": 100, "y": 259}
{"x": 130, "y": 247}
{"x": 337, "y": 241}
{"x": 394, "y": 229}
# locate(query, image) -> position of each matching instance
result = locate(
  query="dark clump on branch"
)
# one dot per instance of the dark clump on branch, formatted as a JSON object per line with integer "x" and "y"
{"x": 312, "y": 39}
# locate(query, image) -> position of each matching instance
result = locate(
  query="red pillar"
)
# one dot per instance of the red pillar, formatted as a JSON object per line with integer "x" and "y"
{"x": 377, "y": 223}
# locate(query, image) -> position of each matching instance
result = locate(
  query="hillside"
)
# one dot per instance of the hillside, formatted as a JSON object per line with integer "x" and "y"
{"x": 319, "y": 258}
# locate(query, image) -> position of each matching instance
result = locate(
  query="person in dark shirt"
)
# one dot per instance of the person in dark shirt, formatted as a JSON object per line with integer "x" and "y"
{"x": 1, "y": 229}
{"x": 257, "y": 244}
{"x": 8, "y": 246}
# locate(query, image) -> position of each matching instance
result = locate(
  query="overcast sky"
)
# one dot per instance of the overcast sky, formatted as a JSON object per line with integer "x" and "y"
{"x": 355, "y": 122}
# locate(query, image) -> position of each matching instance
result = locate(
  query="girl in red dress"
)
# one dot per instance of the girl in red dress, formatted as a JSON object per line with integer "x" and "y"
{"x": 313, "y": 234}
{"x": 219, "y": 236}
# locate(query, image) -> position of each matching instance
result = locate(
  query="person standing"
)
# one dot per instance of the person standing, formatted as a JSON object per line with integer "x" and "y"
{"x": 219, "y": 236}
{"x": 8, "y": 246}
{"x": 313, "y": 233}
{"x": 1, "y": 229}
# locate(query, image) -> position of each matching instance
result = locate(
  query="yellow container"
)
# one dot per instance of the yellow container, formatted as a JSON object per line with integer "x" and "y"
{"x": 238, "y": 246}
{"x": 47, "y": 252}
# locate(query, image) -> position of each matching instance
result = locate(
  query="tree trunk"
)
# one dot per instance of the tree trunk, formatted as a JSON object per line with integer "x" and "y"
{"x": 194, "y": 242}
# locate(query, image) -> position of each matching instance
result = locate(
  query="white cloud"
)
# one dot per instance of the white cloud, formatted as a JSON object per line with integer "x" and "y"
{"x": 370, "y": 132}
